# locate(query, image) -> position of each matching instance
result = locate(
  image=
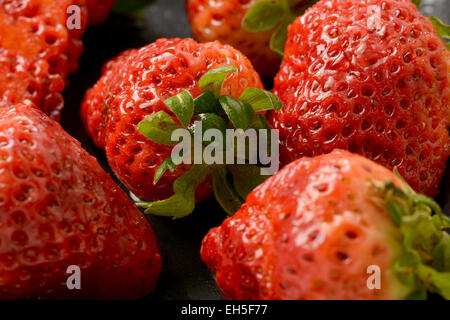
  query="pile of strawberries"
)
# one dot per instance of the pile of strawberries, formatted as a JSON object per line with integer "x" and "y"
{"x": 361, "y": 105}
{"x": 40, "y": 43}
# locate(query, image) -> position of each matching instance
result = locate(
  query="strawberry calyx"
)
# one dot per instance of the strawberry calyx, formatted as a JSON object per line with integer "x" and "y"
{"x": 275, "y": 15}
{"x": 424, "y": 262}
{"x": 234, "y": 175}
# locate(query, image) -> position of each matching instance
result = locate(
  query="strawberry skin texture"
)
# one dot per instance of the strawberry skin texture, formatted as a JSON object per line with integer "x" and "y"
{"x": 134, "y": 86}
{"x": 99, "y": 10}
{"x": 309, "y": 232}
{"x": 222, "y": 20}
{"x": 95, "y": 110}
{"x": 371, "y": 77}
{"x": 37, "y": 52}
{"x": 59, "y": 208}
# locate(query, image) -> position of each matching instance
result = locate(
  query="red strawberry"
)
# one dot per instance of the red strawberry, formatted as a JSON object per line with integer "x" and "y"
{"x": 371, "y": 77}
{"x": 212, "y": 20}
{"x": 99, "y": 10}
{"x": 312, "y": 230}
{"x": 37, "y": 51}
{"x": 95, "y": 112}
{"x": 135, "y": 86}
{"x": 59, "y": 208}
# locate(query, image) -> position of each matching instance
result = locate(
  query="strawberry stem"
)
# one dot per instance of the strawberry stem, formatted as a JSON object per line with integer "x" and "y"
{"x": 196, "y": 116}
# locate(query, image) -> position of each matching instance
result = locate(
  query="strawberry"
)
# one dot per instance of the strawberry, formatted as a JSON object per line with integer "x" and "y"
{"x": 37, "y": 51}
{"x": 94, "y": 111}
{"x": 135, "y": 86}
{"x": 99, "y": 10}
{"x": 59, "y": 208}
{"x": 222, "y": 21}
{"x": 371, "y": 77}
{"x": 318, "y": 228}
{"x": 255, "y": 27}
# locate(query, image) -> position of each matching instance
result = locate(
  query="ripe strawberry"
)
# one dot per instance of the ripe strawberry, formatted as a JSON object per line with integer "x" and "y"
{"x": 135, "y": 86}
{"x": 99, "y": 10}
{"x": 59, "y": 208}
{"x": 94, "y": 111}
{"x": 371, "y": 77}
{"x": 37, "y": 51}
{"x": 222, "y": 21}
{"x": 312, "y": 230}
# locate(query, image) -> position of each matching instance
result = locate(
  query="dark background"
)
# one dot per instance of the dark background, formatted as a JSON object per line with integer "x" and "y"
{"x": 184, "y": 276}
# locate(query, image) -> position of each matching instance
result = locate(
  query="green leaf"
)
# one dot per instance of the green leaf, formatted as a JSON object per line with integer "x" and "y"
{"x": 208, "y": 121}
{"x": 207, "y": 102}
{"x": 225, "y": 194}
{"x": 405, "y": 268}
{"x": 406, "y": 186}
{"x": 182, "y": 105}
{"x": 420, "y": 199}
{"x": 239, "y": 112}
{"x": 246, "y": 178}
{"x": 419, "y": 294}
{"x": 441, "y": 254}
{"x": 166, "y": 165}
{"x": 158, "y": 127}
{"x": 395, "y": 209}
{"x": 279, "y": 38}
{"x": 263, "y": 16}
{"x": 259, "y": 122}
{"x": 420, "y": 234}
{"x": 436, "y": 281}
{"x": 443, "y": 221}
{"x": 261, "y": 100}
{"x": 213, "y": 79}
{"x": 130, "y": 6}
{"x": 182, "y": 203}
{"x": 417, "y": 3}
{"x": 425, "y": 261}
{"x": 442, "y": 28}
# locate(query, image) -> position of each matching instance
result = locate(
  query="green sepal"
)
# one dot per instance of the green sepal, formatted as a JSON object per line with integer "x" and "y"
{"x": 166, "y": 165}
{"x": 239, "y": 112}
{"x": 395, "y": 209}
{"x": 209, "y": 111}
{"x": 259, "y": 122}
{"x": 182, "y": 105}
{"x": 208, "y": 121}
{"x": 246, "y": 178}
{"x": 261, "y": 100}
{"x": 207, "y": 102}
{"x": 158, "y": 127}
{"x": 441, "y": 254}
{"x": 263, "y": 16}
{"x": 182, "y": 203}
{"x": 424, "y": 263}
{"x": 435, "y": 281}
{"x": 279, "y": 38}
{"x": 225, "y": 194}
{"x": 213, "y": 79}
{"x": 405, "y": 268}
{"x": 417, "y": 3}
{"x": 442, "y": 29}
